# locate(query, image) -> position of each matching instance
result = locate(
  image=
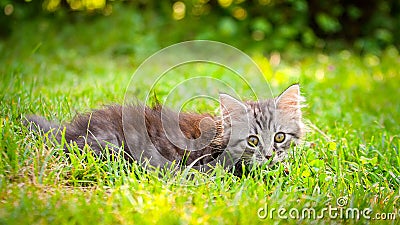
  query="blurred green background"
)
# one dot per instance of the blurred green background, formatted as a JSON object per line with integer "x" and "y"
{"x": 259, "y": 25}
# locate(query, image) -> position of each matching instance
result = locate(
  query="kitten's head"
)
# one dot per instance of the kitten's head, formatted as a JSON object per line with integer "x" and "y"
{"x": 262, "y": 132}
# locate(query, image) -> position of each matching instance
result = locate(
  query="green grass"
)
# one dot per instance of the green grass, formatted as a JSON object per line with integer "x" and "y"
{"x": 353, "y": 100}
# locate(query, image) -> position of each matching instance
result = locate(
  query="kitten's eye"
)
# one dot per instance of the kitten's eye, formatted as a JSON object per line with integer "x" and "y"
{"x": 252, "y": 141}
{"x": 279, "y": 137}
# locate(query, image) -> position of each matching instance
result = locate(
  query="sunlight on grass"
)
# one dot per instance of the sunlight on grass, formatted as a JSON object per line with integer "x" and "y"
{"x": 352, "y": 100}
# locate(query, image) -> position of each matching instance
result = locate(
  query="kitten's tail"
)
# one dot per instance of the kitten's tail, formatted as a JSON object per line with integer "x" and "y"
{"x": 40, "y": 124}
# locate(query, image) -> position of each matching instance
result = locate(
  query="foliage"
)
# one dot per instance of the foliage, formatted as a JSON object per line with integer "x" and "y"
{"x": 367, "y": 26}
{"x": 69, "y": 67}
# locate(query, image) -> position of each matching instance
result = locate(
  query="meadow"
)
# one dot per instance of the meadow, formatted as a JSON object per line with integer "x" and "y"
{"x": 350, "y": 159}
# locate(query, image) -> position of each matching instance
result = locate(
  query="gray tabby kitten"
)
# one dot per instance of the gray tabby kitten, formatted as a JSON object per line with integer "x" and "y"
{"x": 249, "y": 133}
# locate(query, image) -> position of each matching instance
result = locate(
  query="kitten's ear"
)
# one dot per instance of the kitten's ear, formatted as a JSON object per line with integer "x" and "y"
{"x": 231, "y": 106}
{"x": 289, "y": 100}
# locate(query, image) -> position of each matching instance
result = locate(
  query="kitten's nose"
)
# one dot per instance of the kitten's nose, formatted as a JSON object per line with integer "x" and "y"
{"x": 269, "y": 154}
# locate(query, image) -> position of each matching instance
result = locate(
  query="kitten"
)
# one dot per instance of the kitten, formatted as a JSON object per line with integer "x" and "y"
{"x": 252, "y": 133}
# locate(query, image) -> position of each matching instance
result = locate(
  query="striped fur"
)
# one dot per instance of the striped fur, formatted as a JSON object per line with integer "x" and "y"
{"x": 149, "y": 132}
